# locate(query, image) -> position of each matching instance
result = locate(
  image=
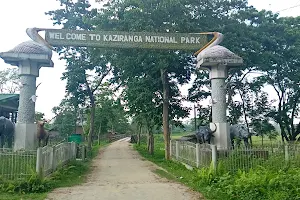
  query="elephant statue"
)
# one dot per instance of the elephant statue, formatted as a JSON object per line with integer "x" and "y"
{"x": 7, "y": 130}
{"x": 239, "y": 132}
{"x": 42, "y": 134}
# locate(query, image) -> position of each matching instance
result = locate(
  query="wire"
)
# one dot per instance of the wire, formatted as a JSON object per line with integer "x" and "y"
{"x": 298, "y": 5}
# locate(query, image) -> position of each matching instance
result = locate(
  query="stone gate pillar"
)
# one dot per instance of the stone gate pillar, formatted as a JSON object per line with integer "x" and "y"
{"x": 29, "y": 56}
{"x": 218, "y": 61}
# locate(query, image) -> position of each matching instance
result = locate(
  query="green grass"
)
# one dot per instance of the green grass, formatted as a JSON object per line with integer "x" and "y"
{"x": 72, "y": 174}
{"x": 257, "y": 141}
{"x": 272, "y": 180}
{"x": 177, "y": 135}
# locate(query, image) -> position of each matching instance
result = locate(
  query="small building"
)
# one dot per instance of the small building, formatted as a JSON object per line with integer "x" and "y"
{"x": 9, "y": 104}
{"x": 79, "y": 129}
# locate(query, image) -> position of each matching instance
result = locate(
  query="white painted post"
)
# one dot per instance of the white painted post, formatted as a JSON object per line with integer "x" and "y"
{"x": 39, "y": 161}
{"x": 53, "y": 159}
{"x": 286, "y": 152}
{"x": 177, "y": 150}
{"x": 197, "y": 155}
{"x": 214, "y": 156}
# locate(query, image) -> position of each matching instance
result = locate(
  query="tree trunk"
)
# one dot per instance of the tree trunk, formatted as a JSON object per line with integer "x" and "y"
{"x": 99, "y": 133}
{"x": 75, "y": 123}
{"x": 139, "y": 136}
{"x": 166, "y": 113}
{"x": 245, "y": 114}
{"x": 91, "y": 132}
{"x": 151, "y": 144}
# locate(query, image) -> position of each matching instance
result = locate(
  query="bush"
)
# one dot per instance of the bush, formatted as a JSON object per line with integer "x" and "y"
{"x": 32, "y": 185}
{"x": 260, "y": 183}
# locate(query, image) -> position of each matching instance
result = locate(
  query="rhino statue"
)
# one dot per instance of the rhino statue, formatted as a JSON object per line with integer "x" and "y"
{"x": 7, "y": 130}
{"x": 204, "y": 134}
{"x": 239, "y": 132}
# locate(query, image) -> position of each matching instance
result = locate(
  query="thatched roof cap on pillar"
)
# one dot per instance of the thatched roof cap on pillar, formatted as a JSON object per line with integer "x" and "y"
{"x": 218, "y": 54}
{"x": 28, "y": 50}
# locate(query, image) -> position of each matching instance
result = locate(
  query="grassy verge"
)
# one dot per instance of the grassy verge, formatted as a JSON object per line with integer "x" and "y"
{"x": 269, "y": 181}
{"x": 72, "y": 174}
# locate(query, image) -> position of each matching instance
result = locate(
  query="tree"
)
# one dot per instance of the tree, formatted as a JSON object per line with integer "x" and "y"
{"x": 79, "y": 62}
{"x": 269, "y": 45}
{"x": 110, "y": 114}
{"x": 85, "y": 85}
{"x": 171, "y": 67}
{"x": 168, "y": 69}
{"x": 9, "y": 81}
{"x": 279, "y": 38}
{"x": 65, "y": 117}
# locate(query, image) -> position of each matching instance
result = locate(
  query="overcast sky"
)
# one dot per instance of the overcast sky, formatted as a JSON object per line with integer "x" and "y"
{"x": 17, "y": 15}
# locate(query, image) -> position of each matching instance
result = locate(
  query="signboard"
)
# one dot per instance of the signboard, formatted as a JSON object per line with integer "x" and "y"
{"x": 115, "y": 39}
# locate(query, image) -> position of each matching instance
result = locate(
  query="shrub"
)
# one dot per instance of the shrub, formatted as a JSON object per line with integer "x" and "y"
{"x": 34, "y": 184}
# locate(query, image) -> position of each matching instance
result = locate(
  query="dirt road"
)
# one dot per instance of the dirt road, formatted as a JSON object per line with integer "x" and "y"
{"x": 120, "y": 174}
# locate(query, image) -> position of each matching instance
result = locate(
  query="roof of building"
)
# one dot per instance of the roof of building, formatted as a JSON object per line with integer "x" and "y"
{"x": 9, "y": 102}
{"x": 4, "y": 97}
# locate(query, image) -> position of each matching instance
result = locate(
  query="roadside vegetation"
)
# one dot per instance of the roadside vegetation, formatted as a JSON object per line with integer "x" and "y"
{"x": 260, "y": 183}
{"x": 36, "y": 188}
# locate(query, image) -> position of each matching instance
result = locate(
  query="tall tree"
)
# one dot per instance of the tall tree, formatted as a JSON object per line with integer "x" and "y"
{"x": 279, "y": 38}
{"x": 79, "y": 62}
{"x": 65, "y": 120}
{"x": 9, "y": 81}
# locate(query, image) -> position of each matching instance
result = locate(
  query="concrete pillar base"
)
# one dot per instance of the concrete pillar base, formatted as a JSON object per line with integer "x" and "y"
{"x": 222, "y": 136}
{"x": 25, "y": 137}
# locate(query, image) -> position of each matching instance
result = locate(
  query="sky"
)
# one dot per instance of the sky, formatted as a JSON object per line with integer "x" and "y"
{"x": 17, "y": 15}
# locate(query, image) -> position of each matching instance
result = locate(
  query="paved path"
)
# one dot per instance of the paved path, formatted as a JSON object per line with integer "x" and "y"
{"x": 120, "y": 174}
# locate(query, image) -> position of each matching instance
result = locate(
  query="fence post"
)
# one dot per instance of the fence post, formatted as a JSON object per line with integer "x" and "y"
{"x": 177, "y": 150}
{"x": 74, "y": 150}
{"x": 197, "y": 155}
{"x": 214, "y": 156}
{"x": 53, "y": 158}
{"x": 83, "y": 152}
{"x": 68, "y": 151}
{"x": 39, "y": 161}
{"x": 286, "y": 152}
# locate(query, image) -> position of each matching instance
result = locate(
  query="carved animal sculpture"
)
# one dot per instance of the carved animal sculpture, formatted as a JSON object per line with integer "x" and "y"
{"x": 239, "y": 132}
{"x": 204, "y": 134}
{"x": 42, "y": 134}
{"x": 7, "y": 130}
